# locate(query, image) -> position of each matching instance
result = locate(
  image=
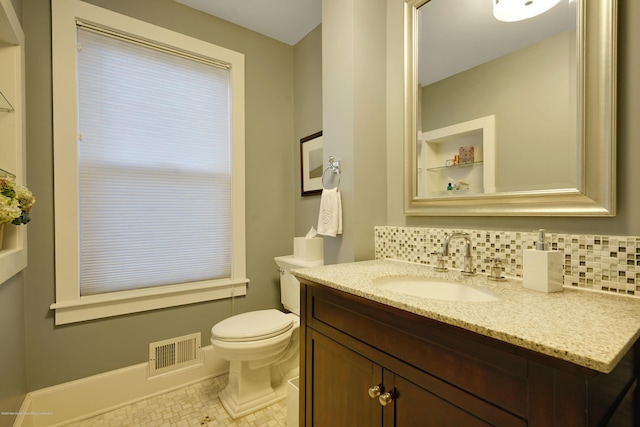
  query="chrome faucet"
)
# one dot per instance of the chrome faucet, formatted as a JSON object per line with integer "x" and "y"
{"x": 468, "y": 260}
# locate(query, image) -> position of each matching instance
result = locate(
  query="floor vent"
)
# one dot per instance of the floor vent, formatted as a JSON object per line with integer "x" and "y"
{"x": 174, "y": 353}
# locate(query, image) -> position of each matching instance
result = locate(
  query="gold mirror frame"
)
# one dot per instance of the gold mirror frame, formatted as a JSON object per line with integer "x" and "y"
{"x": 597, "y": 41}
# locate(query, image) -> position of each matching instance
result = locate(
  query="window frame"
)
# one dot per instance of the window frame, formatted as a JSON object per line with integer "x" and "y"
{"x": 69, "y": 305}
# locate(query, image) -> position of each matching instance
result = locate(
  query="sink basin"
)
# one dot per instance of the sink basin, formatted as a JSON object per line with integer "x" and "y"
{"x": 434, "y": 288}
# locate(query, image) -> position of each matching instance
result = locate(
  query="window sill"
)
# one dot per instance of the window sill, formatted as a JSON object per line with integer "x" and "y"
{"x": 135, "y": 301}
{"x": 12, "y": 261}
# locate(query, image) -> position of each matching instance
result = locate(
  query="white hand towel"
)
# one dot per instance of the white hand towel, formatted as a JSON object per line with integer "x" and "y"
{"x": 330, "y": 217}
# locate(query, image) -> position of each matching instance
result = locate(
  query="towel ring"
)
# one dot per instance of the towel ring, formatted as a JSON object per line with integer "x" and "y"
{"x": 334, "y": 166}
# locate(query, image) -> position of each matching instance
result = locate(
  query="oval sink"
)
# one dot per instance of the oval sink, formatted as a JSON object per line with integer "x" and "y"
{"x": 434, "y": 288}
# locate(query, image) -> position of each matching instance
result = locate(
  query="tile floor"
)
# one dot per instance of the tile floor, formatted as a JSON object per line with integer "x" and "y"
{"x": 194, "y": 405}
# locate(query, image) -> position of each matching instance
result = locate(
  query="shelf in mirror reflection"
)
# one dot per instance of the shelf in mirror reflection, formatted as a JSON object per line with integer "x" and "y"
{"x": 454, "y": 193}
{"x": 454, "y": 167}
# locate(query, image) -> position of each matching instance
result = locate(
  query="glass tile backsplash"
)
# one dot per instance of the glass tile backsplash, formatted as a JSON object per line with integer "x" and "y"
{"x": 595, "y": 262}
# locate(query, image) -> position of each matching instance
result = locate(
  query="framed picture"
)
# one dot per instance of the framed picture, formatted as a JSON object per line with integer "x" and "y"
{"x": 311, "y": 164}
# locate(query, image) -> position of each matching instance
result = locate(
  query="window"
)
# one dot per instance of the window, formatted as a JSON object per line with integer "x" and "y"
{"x": 149, "y": 166}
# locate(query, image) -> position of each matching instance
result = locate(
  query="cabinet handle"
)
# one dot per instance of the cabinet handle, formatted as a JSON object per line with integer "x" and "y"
{"x": 385, "y": 398}
{"x": 375, "y": 391}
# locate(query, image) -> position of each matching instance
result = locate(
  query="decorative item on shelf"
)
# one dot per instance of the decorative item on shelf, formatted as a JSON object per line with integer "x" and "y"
{"x": 462, "y": 185}
{"x": 452, "y": 162}
{"x": 16, "y": 202}
{"x": 466, "y": 154}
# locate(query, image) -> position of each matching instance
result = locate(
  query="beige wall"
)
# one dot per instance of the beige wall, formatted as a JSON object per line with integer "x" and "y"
{"x": 628, "y": 150}
{"x": 64, "y": 353}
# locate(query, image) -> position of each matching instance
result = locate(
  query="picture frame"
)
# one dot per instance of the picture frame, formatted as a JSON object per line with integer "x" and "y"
{"x": 311, "y": 164}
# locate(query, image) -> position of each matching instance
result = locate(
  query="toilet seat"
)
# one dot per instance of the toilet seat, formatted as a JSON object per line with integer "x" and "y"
{"x": 252, "y": 326}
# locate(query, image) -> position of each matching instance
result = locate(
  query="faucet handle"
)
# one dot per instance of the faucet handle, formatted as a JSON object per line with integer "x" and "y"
{"x": 496, "y": 269}
{"x": 439, "y": 262}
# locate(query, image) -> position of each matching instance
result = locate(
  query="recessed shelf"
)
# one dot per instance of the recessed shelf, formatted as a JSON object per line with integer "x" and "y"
{"x": 438, "y": 154}
{"x": 453, "y": 167}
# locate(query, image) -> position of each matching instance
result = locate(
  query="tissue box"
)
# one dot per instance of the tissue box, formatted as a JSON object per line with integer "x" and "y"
{"x": 308, "y": 249}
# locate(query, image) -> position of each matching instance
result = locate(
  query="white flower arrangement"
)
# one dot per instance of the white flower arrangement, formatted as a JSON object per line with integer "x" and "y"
{"x": 16, "y": 202}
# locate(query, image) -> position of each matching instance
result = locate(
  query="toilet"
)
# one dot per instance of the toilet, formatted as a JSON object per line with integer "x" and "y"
{"x": 262, "y": 347}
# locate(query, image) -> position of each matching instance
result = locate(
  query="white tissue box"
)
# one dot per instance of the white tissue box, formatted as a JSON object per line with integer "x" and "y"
{"x": 308, "y": 249}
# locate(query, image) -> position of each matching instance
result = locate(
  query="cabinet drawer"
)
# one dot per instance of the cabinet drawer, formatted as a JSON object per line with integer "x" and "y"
{"x": 443, "y": 351}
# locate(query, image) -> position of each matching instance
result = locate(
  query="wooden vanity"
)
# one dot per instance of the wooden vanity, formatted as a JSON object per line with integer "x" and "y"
{"x": 366, "y": 363}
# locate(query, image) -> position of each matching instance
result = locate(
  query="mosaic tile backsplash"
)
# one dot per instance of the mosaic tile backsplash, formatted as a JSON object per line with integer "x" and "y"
{"x": 595, "y": 262}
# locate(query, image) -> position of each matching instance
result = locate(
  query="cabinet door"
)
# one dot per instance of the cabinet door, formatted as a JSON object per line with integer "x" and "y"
{"x": 416, "y": 406}
{"x": 338, "y": 381}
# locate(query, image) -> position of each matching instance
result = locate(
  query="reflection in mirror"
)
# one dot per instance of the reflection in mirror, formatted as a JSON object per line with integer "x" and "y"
{"x": 523, "y": 73}
{"x": 504, "y": 118}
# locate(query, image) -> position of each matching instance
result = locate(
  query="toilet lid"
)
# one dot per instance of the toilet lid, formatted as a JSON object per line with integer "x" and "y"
{"x": 253, "y": 325}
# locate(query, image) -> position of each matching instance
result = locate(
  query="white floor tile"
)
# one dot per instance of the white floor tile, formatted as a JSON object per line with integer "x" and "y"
{"x": 194, "y": 405}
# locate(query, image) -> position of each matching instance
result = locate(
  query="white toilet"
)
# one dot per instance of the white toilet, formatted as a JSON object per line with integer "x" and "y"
{"x": 262, "y": 347}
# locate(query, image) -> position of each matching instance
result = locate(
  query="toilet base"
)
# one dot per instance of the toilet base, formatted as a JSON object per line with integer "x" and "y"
{"x": 250, "y": 390}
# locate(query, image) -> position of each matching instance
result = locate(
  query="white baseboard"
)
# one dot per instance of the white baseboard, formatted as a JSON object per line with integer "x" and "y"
{"x": 75, "y": 400}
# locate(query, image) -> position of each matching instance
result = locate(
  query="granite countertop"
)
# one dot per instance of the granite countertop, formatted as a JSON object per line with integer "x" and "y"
{"x": 590, "y": 329}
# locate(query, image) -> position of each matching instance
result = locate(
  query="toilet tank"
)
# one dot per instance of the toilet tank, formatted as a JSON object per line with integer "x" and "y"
{"x": 289, "y": 285}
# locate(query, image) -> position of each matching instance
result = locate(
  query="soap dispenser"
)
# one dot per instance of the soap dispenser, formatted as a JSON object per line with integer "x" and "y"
{"x": 542, "y": 267}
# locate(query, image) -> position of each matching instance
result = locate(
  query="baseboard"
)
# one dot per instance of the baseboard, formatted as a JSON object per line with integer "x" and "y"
{"x": 75, "y": 400}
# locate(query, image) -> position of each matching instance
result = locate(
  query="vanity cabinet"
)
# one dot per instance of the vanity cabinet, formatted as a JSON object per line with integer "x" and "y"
{"x": 350, "y": 389}
{"x": 433, "y": 374}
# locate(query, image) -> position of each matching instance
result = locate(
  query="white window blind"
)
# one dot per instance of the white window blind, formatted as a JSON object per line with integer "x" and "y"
{"x": 154, "y": 167}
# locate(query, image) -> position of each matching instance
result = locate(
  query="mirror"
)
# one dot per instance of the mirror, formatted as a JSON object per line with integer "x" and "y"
{"x": 494, "y": 129}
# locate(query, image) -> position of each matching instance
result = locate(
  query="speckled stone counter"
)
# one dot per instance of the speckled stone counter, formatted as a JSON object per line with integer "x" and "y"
{"x": 589, "y": 329}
